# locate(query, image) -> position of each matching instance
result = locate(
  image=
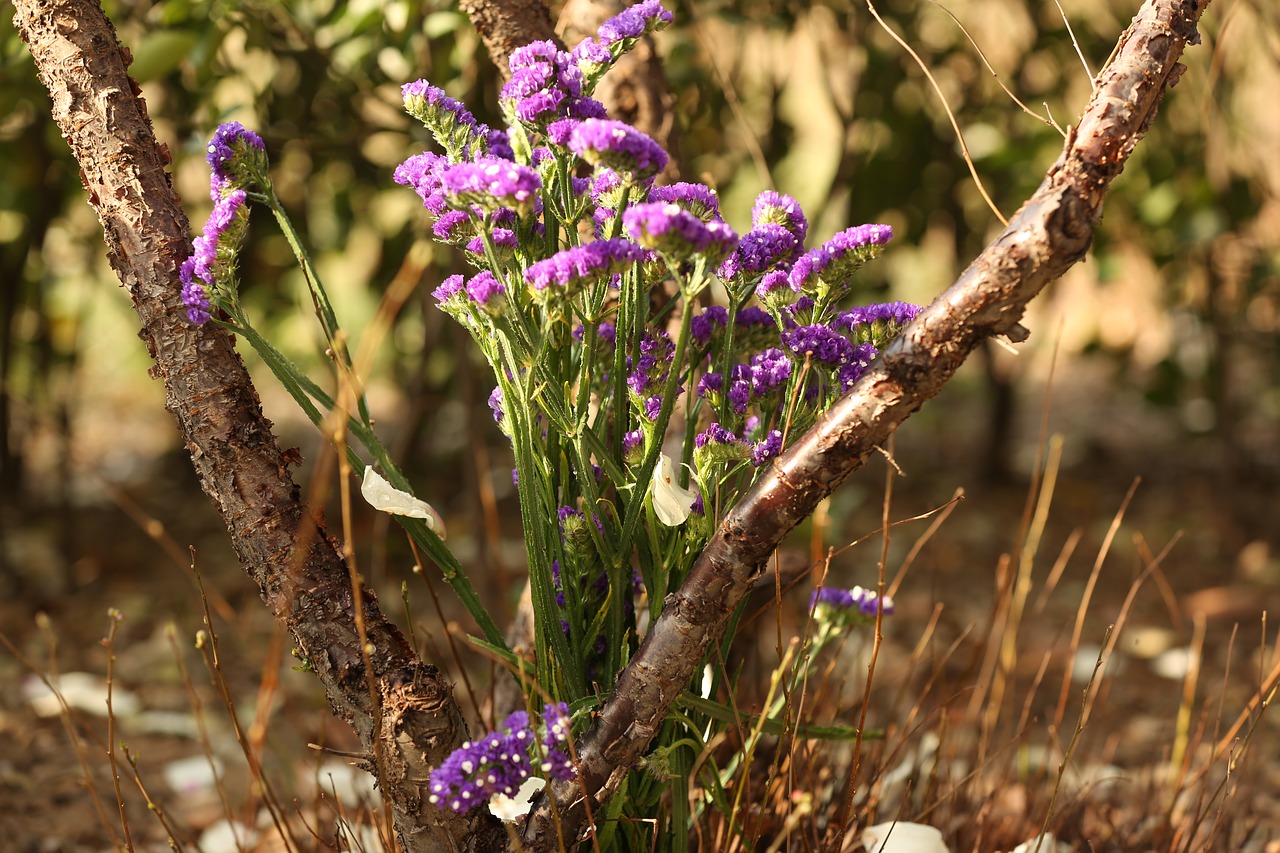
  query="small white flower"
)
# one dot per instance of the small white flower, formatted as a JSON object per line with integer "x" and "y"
{"x": 384, "y": 497}
{"x": 903, "y": 837}
{"x": 511, "y": 809}
{"x": 671, "y": 503}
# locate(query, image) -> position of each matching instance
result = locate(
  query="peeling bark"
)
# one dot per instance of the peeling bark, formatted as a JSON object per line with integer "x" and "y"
{"x": 1051, "y": 232}
{"x": 286, "y": 552}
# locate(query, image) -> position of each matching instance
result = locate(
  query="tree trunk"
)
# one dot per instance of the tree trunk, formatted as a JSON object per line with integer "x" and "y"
{"x": 405, "y": 715}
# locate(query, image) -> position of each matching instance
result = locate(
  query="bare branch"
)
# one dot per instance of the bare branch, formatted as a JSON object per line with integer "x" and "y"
{"x": 240, "y": 464}
{"x": 1051, "y": 232}
{"x": 504, "y": 25}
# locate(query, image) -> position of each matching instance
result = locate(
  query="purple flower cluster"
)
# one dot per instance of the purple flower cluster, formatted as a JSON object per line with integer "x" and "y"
{"x": 835, "y": 260}
{"x": 454, "y": 127}
{"x": 763, "y": 248}
{"x": 649, "y": 373}
{"x": 483, "y": 291}
{"x": 766, "y": 448}
{"x": 698, "y": 199}
{"x": 714, "y": 434}
{"x": 618, "y": 146}
{"x": 500, "y": 762}
{"x": 570, "y": 269}
{"x": 854, "y": 601}
{"x": 546, "y": 84}
{"x": 892, "y": 313}
{"x": 779, "y": 209}
{"x": 824, "y": 344}
{"x": 617, "y": 35}
{"x": 222, "y": 230}
{"x": 669, "y": 229}
{"x": 235, "y": 155}
{"x": 491, "y": 183}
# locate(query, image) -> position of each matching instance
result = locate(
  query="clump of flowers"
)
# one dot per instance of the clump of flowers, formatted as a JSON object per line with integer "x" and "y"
{"x": 650, "y": 363}
{"x": 499, "y": 763}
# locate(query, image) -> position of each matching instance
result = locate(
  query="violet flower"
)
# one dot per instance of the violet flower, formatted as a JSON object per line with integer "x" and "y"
{"x": 671, "y": 230}
{"x": 824, "y": 271}
{"x": 491, "y": 183}
{"x": 450, "y": 122}
{"x": 236, "y": 156}
{"x": 571, "y": 269}
{"x": 698, "y": 199}
{"x": 618, "y": 146}
{"x": 781, "y": 210}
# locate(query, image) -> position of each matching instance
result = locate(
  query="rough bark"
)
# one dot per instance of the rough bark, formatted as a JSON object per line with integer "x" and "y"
{"x": 504, "y": 25}
{"x": 242, "y": 468}
{"x": 1051, "y": 232}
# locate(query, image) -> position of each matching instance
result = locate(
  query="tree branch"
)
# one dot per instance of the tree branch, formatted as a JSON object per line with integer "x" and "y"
{"x": 1051, "y": 232}
{"x": 300, "y": 573}
{"x": 504, "y": 25}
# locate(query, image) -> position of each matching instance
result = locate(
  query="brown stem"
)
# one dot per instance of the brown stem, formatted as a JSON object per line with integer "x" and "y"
{"x": 240, "y": 464}
{"x": 1051, "y": 232}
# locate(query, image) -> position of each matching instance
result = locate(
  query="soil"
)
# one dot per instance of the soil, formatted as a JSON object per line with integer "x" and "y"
{"x": 1203, "y": 512}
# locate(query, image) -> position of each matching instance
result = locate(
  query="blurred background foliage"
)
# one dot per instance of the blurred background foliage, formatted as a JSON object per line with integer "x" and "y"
{"x": 1166, "y": 338}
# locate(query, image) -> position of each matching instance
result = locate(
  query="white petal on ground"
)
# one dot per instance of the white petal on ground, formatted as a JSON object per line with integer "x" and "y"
{"x": 671, "y": 503}
{"x": 511, "y": 809}
{"x": 1048, "y": 844}
{"x": 82, "y": 691}
{"x": 384, "y": 497}
{"x": 903, "y": 837}
{"x": 188, "y": 776}
{"x": 227, "y": 836}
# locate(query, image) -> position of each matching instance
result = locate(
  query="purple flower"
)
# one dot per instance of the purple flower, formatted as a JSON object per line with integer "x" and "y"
{"x": 671, "y": 230}
{"x": 649, "y": 373}
{"x": 753, "y": 317}
{"x": 769, "y": 370}
{"x": 698, "y": 199}
{"x": 446, "y": 226}
{"x": 855, "y": 602}
{"x": 775, "y": 289}
{"x": 851, "y": 370}
{"x": 546, "y": 85}
{"x": 714, "y": 434}
{"x": 499, "y": 762}
{"x": 487, "y": 292}
{"x": 448, "y": 289}
{"x": 767, "y": 448}
{"x": 618, "y": 146}
{"x": 504, "y": 242}
{"x": 450, "y": 122}
{"x": 422, "y": 173}
{"x": 652, "y": 408}
{"x": 782, "y": 210}
{"x": 495, "y": 404}
{"x": 497, "y": 143}
{"x": 633, "y": 446}
{"x": 827, "y": 268}
{"x": 635, "y": 21}
{"x": 704, "y": 325}
{"x": 763, "y": 248}
{"x": 491, "y": 183}
{"x": 193, "y": 294}
{"x": 570, "y": 269}
{"x": 822, "y": 343}
{"x": 235, "y": 155}
{"x": 213, "y": 254}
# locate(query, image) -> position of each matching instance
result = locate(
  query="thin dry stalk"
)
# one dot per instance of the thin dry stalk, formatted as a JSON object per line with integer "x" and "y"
{"x": 115, "y": 617}
{"x": 197, "y": 711}
{"x": 152, "y": 806}
{"x": 1087, "y": 597}
{"x": 207, "y": 643}
{"x": 49, "y": 678}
